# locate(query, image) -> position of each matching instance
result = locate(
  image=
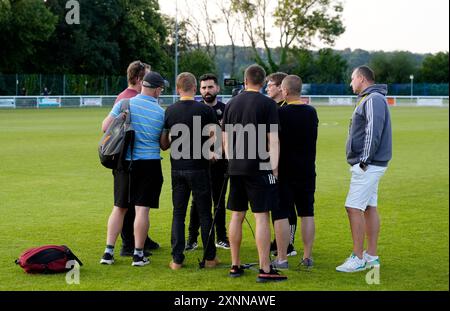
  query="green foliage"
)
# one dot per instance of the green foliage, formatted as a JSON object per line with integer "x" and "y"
{"x": 435, "y": 68}
{"x": 324, "y": 66}
{"x": 23, "y": 25}
{"x": 395, "y": 67}
{"x": 197, "y": 62}
{"x": 298, "y": 21}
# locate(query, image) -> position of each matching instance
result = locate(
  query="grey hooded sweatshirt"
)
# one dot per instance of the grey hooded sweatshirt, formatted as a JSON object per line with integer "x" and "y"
{"x": 370, "y": 137}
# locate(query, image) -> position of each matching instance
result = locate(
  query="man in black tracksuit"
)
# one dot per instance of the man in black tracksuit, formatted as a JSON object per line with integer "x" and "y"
{"x": 190, "y": 168}
{"x": 209, "y": 88}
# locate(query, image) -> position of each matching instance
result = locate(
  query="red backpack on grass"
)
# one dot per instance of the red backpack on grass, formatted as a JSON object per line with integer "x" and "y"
{"x": 49, "y": 259}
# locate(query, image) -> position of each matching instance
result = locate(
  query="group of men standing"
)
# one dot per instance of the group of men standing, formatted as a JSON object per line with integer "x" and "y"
{"x": 265, "y": 146}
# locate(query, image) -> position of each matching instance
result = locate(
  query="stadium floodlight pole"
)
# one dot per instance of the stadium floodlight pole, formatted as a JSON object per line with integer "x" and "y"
{"x": 411, "y": 77}
{"x": 176, "y": 52}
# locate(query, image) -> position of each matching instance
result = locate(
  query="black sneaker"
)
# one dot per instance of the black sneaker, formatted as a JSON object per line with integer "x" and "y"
{"x": 128, "y": 252}
{"x": 272, "y": 276}
{"x": 139, "y": 261}
{"x": 107, "y": 259}
{"x": 290, "y": 251}
{"x": 224, "y": 244}
{"x": 191, "y": 246}
{"x": 151, "y": 245}
{"x": 236, "y": 272}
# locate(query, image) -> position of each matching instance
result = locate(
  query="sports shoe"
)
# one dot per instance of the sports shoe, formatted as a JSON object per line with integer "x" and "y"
{"x": 151, "y": 245}
{"x": 224, "y": 244}
{"x": 236, "y": 271}
{"x": 280, "y": 266}
{"x": 191, "y": 246}
{"x": 139, "y": 261}
{"x": 307, "y": 263}
{"x": 371, "y": 261}
{"x": 291, "y": 252}
{"x": 352, "y": 264}
{"x": 129, "y": 252}
{"x": 272, "y": 276}
{"x": 107, "y": 259}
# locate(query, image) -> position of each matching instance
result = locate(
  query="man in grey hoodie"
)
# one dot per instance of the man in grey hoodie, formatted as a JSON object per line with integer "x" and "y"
{"x": 369, "y": 150}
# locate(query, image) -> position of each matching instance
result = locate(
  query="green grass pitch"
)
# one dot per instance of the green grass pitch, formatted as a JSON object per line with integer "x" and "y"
{"x": 54, "y": 191}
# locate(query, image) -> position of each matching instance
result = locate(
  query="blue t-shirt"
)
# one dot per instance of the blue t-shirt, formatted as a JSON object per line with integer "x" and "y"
{"x": 147, "y": 119}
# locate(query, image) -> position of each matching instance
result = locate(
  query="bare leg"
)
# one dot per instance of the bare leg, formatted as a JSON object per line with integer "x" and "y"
{"x": 372, "y": 230}
{"x": 141, "y": 225}
{"x": 282, "y": 235}
{"x": 263, "y": 240}
{"x": 357, "y": 224}
{"x": 115, "y": 224}
{"x": 235, "y": 232}
{"x": 308, "y": 236}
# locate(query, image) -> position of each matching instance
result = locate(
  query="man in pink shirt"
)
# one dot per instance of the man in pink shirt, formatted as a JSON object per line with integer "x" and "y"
{"x": 135, "y": 75}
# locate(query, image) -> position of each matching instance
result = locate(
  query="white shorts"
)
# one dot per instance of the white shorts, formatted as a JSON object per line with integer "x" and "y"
{"x": 364, "y": 187}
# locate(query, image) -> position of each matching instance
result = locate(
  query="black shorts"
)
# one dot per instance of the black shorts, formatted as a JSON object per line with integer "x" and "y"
{"x": 298, "y": 194}
{"x": 260, "y": 190}
{"x": 141, "y": 187}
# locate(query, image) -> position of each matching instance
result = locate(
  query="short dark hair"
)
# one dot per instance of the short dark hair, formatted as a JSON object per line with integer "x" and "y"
{"x": 255, "y": 74}
{"x": 367, "y": 73}
{"x": 209, "y": 76}
{"x": 136, "y": 71}
{"x": 277, "y": 77}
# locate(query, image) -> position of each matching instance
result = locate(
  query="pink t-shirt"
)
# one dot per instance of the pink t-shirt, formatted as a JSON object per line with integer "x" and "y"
{"x": 128, "y": 93}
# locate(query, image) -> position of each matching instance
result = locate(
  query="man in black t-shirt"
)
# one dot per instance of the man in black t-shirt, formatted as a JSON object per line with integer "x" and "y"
{"x": 298, "y": 139}
{"x": 183, "y": 126}
{"x": 250, "y": 125}
{"x": 279, "y": 249}
{"x": 209, "y": 88}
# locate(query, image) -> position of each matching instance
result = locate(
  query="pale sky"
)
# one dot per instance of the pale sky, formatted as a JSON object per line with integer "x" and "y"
{"x": 413, "y": 25}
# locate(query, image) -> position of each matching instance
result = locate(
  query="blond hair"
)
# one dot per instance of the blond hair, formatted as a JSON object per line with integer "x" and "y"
{"x": 186, "y": 81}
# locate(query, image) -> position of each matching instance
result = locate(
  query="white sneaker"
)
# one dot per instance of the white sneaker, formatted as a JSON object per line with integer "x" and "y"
{"x": 352, "y": 264}
{"x": 371, "y": 261}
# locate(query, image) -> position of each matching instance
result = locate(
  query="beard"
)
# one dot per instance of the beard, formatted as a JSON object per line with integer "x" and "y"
{"x": 209, "y": 98}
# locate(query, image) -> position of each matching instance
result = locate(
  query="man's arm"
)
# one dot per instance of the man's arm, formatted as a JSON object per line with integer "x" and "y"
{"x": 107, "y": 122}
{"x": 164, "y": 140}
{"x": 375, "y": 119}
{"x": 274, "y": 151}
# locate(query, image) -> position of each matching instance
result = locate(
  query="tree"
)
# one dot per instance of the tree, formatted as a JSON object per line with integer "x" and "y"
{"x": 23, "y": 24}
{"x": 435, "y": 68}
{"x": 111, "y": 34}
{"x": 197, "y": 62}
{"x": 299, "y": 23}
{"x": 231, "y": 24}
{"x": 394, "y": 67}
{"x": 324, "y": 66}
{"x": 330, "y": 67}
{"x": 200, "y": 26}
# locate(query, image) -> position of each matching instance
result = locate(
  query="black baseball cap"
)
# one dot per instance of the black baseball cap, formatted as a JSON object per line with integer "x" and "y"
{"x": 154, "y": 80}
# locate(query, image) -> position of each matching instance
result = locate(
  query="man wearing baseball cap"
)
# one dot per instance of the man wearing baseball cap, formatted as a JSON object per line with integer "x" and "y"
{"x": 140, "y": 186}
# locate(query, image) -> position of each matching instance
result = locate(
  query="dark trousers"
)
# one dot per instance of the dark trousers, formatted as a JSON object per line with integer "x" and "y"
{"x": 183, "y": 183}
{"x": 217, "y": 174}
